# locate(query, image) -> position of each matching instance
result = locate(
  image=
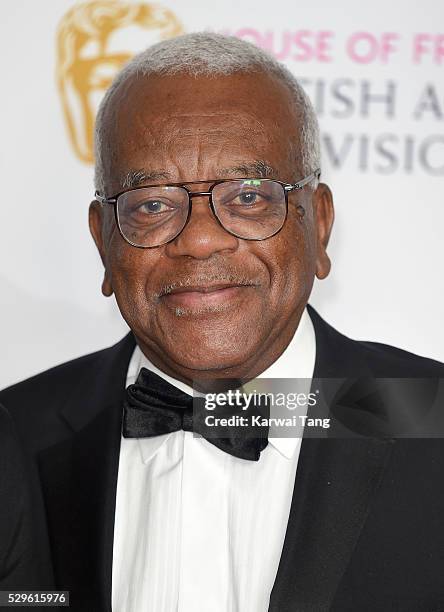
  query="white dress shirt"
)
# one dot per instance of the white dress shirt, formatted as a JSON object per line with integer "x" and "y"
{"x": 196, "y": 529}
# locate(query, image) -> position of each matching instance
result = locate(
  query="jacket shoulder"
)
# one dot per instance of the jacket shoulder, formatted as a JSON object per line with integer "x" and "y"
{"x": 50, "y": 381}
{"x": 344, "y": 356}
{"x": 386, "y": 360}
{"x": 85, "y": 385}
{"x": 55, "y": 384}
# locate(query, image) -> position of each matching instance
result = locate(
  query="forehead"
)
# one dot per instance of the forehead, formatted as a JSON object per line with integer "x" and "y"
{"x": 181, "y": 120}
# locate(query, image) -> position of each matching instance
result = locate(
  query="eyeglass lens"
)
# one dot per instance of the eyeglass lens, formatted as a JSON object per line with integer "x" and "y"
{"x": 252, "y": 209}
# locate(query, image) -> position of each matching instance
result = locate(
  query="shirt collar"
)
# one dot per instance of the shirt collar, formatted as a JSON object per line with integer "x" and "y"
{"x": 297, "y": 361}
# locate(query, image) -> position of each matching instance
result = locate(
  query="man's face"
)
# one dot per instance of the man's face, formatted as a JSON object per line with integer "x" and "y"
{"x": 209, "y": 302}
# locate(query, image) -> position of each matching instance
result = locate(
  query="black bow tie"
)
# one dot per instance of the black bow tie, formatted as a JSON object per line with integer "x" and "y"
{"x": 153, "y": 407}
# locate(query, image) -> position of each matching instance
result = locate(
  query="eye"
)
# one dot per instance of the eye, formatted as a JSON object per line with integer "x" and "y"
{"x": 154, "y": 206}
{"x": 248, "y": 198}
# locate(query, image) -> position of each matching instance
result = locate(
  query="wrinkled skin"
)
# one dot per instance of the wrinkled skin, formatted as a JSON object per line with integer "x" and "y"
{"x": 184, "y": 128}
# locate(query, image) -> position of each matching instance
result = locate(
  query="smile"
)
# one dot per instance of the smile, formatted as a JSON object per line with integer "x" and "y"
{"x": 191, "y": 297}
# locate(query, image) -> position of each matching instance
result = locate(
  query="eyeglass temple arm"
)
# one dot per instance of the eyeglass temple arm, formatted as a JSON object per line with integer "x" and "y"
{"x": 315, "y": 175}
{"x": 104, "y": 200}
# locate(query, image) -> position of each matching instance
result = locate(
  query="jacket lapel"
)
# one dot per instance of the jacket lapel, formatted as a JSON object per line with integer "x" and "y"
{"x": 336, "y": 479}
{"x": 79, "y": 479}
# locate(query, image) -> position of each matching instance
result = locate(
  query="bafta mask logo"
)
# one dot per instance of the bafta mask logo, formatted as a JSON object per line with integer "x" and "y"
{"x": 94, "y": 40}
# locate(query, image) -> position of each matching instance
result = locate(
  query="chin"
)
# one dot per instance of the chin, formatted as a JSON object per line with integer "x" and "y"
{"x": 206, "y": 341}
{"x": 219, "y": 354}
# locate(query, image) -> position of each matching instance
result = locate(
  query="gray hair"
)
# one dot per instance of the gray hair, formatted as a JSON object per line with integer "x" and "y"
{"x": 211, "y": 54}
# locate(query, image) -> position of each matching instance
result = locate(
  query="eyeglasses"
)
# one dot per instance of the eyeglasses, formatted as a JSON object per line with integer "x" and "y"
{"x": 249, "y": 208}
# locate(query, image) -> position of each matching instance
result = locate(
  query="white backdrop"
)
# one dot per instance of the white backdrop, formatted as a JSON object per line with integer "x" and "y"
{"x": 375, "y": 73}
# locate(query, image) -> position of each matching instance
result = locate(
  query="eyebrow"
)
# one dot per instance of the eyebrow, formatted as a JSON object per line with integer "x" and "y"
{"x": 135, "y": 178}
{"x": 258, "y": 168}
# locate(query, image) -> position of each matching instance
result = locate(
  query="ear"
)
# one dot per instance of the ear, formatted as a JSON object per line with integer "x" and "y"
{"x": 98, "y": 229}
{"x": 324, "y": 215}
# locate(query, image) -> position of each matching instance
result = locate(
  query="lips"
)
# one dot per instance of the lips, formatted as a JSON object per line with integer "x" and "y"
{"x": 200, "y": 296}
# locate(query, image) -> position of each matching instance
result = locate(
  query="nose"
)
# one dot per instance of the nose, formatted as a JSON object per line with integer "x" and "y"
{"x": 203, "y": 235}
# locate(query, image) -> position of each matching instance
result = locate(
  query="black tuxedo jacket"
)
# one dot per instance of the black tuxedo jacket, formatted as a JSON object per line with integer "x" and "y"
{"x": 366, "y": 526}
{"x": 20, "y": 568}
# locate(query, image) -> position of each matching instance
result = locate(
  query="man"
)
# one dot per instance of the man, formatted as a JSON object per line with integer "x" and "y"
{"x": 211, "y": 224}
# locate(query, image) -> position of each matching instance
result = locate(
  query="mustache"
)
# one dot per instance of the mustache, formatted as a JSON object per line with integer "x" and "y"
{"x": 236, "y": 277}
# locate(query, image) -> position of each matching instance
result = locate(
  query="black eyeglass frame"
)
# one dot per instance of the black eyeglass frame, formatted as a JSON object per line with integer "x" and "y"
{"x": 287, "y": 188}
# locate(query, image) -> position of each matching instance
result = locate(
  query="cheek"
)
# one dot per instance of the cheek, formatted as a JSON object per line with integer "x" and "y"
{"x": 291, "y": 263}
{"x": 130, "y": 270}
